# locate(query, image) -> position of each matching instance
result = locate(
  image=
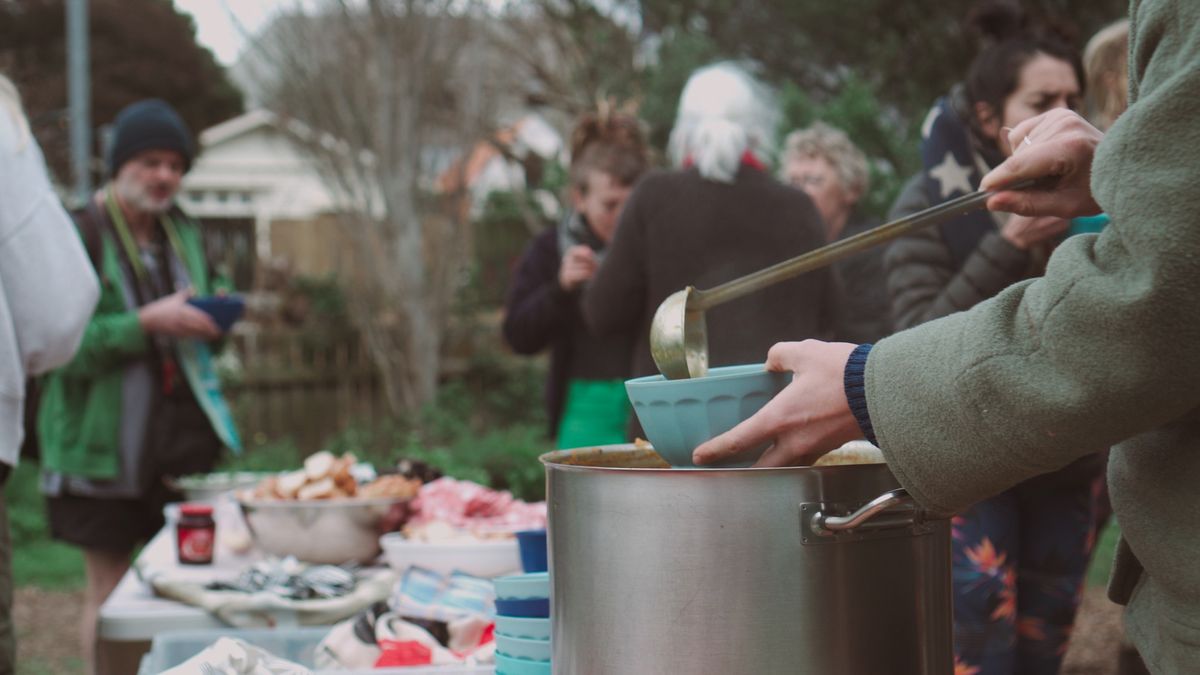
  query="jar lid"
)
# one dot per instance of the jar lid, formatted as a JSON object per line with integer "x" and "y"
{"x": 196, "y": 509}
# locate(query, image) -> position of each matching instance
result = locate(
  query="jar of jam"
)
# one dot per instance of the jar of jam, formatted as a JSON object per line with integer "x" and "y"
{"x": 195, "y": 534}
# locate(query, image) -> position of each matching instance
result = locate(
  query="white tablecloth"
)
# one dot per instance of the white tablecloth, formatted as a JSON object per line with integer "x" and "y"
{"x": 132, "y": 612}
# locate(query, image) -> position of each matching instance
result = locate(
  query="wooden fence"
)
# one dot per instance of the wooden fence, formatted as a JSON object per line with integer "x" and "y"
{"x": 293, "y": 385}
{"x": 305, "y": 387}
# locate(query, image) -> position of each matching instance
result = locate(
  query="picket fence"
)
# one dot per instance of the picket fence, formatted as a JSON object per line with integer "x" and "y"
{"x": 292, "y": 385}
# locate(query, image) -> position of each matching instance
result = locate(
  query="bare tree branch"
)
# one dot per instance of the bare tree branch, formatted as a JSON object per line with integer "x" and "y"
{"x": 370, "y": 81}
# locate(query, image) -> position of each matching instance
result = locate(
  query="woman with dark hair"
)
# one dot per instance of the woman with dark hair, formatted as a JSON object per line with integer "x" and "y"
{"x": 1018, "y": 557}
{"x": 586, "y": 402}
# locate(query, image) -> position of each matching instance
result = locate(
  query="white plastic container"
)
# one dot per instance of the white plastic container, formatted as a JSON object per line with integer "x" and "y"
{"x": 485, "y": 558}
{"x": 171, "y": 648}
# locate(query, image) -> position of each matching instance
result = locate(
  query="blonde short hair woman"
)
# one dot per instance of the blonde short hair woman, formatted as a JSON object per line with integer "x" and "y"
{"x": 1106, "y": 62}
{"x": 825, "y": 163}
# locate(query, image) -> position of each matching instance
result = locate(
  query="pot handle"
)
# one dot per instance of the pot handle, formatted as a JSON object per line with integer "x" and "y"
{"x": 868, "y": 511}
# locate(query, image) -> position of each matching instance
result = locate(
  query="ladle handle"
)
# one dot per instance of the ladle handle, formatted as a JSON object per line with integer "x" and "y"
{"x": 818, "y": 258}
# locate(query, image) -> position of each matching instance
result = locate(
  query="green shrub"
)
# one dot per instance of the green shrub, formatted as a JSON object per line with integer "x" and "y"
{"x": 487, "y": 426}
{"x": 279, "y": 455}
{"x": 325, "y": 295}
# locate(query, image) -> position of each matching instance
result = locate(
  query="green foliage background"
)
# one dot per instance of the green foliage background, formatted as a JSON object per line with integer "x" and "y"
{"x": 139, "y": 49}
{"x": 870, "y": 67}
{"x": 487, "y": 426}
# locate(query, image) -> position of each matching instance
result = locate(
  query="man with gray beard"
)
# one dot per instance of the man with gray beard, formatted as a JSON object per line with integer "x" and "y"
{"x": 140, "y": 401}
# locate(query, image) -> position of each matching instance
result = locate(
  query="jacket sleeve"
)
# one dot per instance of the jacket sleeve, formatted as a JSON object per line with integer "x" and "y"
{"x": 110, "y": 340}
{"x": 922, "y": 281}
{"x": 45, "y": 275}
{"x": 612, "y": 302}
{"x": 113, "y": 334}
{"x": 537, "y": 308}
{"x": 1100, "y": 349}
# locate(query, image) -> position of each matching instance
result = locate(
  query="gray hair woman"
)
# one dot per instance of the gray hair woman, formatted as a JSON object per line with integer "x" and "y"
{"x": 725, "y": 117}
{"x": 719, "y": 216}
{"x": 822, "y": 161}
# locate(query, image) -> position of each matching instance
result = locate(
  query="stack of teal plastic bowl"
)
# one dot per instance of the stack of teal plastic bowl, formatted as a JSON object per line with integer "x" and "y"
{"x": 523, "y": 624}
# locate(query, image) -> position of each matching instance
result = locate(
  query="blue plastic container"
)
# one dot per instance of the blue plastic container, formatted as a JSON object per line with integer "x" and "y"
{"x": 532, "y": 544}
{"x": 679, "y": 415}
{"x": 1088, "y": 224}
{"x": 225, "y": 310}
{"x": 534, "y": 629}
{"x": 507, "y": 665}
{"x": 523, "y": 586}
{"x": 523, "y": 648}
{"x": 528, "y": 608}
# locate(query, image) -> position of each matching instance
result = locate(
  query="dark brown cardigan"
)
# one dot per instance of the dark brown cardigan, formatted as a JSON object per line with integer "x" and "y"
{"x": 679, "y": 229}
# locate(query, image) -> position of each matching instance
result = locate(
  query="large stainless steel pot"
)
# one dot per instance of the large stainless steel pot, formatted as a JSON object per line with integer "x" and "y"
{"x": 825, "y": 570}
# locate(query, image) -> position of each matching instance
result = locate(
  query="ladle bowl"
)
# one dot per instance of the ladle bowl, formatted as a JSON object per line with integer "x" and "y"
{"x": 679, "y": 342}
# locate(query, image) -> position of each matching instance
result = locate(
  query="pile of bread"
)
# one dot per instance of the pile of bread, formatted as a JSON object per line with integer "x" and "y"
{"x": 326, "y": 476}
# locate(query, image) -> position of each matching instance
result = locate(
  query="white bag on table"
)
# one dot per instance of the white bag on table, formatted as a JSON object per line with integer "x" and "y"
{"x": 231, "y": 656}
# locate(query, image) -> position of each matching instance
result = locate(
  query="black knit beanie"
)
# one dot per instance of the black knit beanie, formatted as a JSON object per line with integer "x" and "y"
{"x": 151, "y": 124}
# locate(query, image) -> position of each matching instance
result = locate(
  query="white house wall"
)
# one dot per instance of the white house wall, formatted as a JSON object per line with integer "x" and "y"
{"x": 264, "y": 164}
{"x": 254, "y": 172}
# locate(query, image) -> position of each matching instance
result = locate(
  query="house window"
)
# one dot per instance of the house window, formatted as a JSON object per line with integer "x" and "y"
{"x": 229, "y": 244}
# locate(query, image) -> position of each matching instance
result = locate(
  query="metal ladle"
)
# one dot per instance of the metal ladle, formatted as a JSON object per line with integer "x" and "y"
{"x": 678, "y": 334}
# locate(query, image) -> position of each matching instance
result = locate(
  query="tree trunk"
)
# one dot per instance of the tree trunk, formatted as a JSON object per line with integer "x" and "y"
{"x": 372, "y": 79}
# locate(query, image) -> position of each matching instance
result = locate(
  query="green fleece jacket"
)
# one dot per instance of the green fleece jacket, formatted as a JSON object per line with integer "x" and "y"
{"x": 79, "y": 417}
{"x": 1100, "y": 351}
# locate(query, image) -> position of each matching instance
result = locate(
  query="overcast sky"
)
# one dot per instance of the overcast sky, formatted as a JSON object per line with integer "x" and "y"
{"x": 221, "y": 25}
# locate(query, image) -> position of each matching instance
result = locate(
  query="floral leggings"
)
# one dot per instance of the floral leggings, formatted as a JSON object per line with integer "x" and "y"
{"x": 1018, "y": 564}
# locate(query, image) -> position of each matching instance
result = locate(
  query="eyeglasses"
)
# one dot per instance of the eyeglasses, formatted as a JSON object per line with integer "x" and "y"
{"x": 808, "y": 181}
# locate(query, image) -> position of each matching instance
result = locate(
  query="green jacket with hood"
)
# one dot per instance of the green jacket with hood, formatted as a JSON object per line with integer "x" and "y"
{"x": 80, "y": 414}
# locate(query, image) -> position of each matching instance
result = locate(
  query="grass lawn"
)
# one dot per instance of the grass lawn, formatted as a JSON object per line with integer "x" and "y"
{"x": 1102, "y": 556}
{"x": 48, "y": 577}
{"x": 37, "y": 561}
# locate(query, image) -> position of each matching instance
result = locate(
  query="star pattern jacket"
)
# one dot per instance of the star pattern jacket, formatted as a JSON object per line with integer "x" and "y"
{"x": 925, "y": 282}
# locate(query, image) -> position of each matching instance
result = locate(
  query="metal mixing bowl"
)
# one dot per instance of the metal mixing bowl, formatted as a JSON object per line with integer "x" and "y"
{"x": 206, "y": 487}
{"x": 330, "y": 531}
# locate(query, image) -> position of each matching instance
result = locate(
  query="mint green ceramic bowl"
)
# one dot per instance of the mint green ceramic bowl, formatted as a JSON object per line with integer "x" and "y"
{"x": 679, "y": 415}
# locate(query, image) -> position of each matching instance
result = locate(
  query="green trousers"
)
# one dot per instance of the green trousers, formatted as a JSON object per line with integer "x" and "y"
{"x": 596, "y": 413}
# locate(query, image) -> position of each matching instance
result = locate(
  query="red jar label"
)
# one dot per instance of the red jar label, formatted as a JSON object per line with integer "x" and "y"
{"x": 196, "y": 545}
